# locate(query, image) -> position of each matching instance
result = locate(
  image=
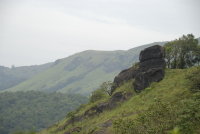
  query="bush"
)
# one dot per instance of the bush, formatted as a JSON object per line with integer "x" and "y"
{"x": 189, "y": 115}
{"x": 176, "y": 130}
{"x": 194, "y": 79}
{"x": 97, "y": 95}
{"x": 136, "y": 65}
{"x": 163, "y": 118}
{"x": 70, "y": 115}
{"x": 159, "y": 118}
{"x": 102, "y": 92}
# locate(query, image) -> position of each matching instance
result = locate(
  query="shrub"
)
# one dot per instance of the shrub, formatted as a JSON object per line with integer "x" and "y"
{"x": 159, "y": 118}
{"x": 102, "y": 92}
{"x": 136, "y": 65}
{"x": 181, "y": 118}
{"x": 70, "y": 115}
{"x": 189, "y": 115}
{"x": 97, "y": 95}
{"x": 194, "y": 78}
{"x": 124, "y": 126}
{"x": 176, "y": 130}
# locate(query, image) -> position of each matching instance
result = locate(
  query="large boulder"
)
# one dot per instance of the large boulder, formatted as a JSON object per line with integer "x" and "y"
{"x": 153, "y": 52}
{"x": 144, "y": 79}
{"x": 124, "y": 76}
{"x": 149, "y": 69}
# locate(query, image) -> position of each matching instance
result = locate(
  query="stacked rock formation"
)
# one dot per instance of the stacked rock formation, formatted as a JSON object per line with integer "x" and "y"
{"x": 150, "y": 69}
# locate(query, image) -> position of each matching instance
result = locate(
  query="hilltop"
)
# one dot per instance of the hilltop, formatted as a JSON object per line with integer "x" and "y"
{"x": 76, "y": 73}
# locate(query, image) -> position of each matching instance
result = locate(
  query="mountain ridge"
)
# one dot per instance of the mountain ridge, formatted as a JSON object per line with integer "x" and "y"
{"x": 10, "y": 77}
{"x": 74, "y": 74}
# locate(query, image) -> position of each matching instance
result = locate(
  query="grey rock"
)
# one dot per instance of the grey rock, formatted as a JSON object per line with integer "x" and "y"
{"x": 150, "y": 69}
{"x": 153, "y": 52}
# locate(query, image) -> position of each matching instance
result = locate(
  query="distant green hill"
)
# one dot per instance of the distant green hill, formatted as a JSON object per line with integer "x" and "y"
{"x": 82, "y": 72}
{"x": 34, "y": 110}
{"x": 10, "y": 77}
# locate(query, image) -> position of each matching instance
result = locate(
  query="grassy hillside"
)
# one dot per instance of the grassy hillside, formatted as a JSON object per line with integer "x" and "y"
{"x": 34, "y": 110}
{"x": 82, "y": 72}
{"x": 10, "y": 77}
{"x": 168, "y": 106}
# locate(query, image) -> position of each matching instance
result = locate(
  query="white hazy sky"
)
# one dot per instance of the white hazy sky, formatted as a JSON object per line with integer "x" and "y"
{"x": 40, "y": 31}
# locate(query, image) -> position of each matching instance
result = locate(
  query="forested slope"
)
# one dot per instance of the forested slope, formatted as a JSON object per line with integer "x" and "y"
{"x": 34, "y": 110}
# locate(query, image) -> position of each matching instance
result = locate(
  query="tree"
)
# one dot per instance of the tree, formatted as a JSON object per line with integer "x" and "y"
{"x": 102, "y": 92}
{"x": 183, "y": 52}
{"x": 197, "y": 53}
{"x": 97, "y": 95}
{"x": 106, "y": 87}
{"x": 168, "y": 54}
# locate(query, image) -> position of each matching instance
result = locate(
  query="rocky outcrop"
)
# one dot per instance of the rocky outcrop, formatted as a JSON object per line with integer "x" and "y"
{"x": 153, "y": 52}
{"x": 112, "y": 103}
{"x": 149, "y": 69}
{"x": 123, "y": 76}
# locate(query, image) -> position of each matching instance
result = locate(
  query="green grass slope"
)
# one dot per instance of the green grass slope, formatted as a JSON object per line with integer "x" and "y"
{"x": 83, "y": 72}
{"x": 166, "y": 107}
{"x": 10, "y": 77}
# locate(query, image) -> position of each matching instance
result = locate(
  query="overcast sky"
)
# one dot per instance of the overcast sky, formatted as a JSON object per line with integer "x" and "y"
{"x": 41, "y": 31}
